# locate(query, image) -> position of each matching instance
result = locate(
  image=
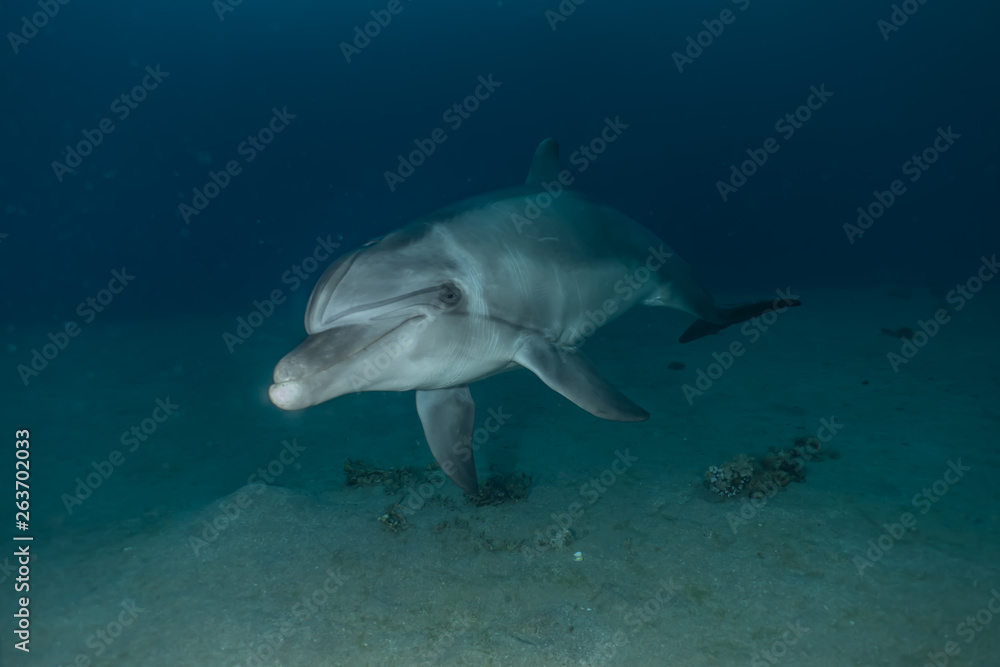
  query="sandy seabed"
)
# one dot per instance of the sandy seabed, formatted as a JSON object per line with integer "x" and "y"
{"x": 182, "y": 556}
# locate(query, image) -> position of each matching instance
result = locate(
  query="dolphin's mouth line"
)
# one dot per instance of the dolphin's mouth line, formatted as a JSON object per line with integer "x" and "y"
{"x": 353, "y": 354}
{"x": 378, "y": 304}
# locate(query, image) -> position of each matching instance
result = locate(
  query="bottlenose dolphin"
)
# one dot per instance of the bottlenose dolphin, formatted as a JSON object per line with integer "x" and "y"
{"x": 517, "y": 278}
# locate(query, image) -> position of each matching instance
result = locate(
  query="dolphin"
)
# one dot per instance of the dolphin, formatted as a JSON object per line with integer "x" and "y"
{"x": 517, "y": 278}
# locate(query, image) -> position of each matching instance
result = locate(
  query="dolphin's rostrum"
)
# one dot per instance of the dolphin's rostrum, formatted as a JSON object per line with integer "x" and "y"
{"x": 505, "y": 280}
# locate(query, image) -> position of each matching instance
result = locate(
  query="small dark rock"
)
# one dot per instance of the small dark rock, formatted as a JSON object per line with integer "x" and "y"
{"x": 905, "y": 333}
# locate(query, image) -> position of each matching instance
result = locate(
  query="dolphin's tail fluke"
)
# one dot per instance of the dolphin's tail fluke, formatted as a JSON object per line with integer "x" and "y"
{"x": 735, "y": 315}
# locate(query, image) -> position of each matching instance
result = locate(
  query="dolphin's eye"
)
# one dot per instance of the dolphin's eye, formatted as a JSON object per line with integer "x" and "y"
{"x": 450, "y": 295}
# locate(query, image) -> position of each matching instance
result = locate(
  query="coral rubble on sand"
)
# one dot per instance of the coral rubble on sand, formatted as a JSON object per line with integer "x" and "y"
{"x": 501, "y": 489}
{"x": 359, "y": 473}
{"x": 775, "y": 470}
{"x": 732, "y": 477}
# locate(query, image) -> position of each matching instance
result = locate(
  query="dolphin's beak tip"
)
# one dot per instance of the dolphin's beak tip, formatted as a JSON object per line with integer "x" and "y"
{"x": 283, "y": 395}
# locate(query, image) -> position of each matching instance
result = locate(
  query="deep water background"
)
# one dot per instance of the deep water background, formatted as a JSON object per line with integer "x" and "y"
{"x": 126, "y": 533}
{"x": 324, "y": 174}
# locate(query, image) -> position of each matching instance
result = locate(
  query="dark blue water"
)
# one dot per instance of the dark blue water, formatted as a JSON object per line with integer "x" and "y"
{"x": 167, "y": 167}
{"x": 324, "y": 174}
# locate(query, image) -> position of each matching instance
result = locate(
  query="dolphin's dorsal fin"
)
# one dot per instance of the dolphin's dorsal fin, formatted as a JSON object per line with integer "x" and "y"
{"x": 545, "y": 165}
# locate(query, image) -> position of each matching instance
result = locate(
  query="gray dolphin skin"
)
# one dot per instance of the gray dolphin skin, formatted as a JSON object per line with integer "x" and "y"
{"x": 517, "y": 278}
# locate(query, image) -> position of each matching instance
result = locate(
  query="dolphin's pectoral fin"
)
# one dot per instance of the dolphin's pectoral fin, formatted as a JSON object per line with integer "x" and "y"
{"x": 545, "y": 164}
{"x": 734, "y": 315}
{"x": 569, "y": 373}
{"x": 447, "y": 416}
